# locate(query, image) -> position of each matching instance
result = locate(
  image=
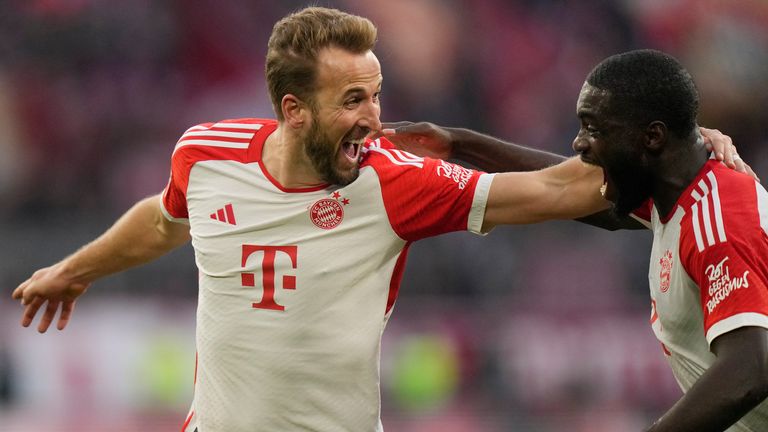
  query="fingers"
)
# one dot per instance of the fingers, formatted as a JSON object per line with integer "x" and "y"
{"x": 66, "y": 311}
{"x": 738, "y": 163}
{"x": 721, "y": 145}
{"x": 30, "y": 311}
{"x": 748, "y": 170}
{"x": 48, "y": 316}
{"x": 18, "y": 293}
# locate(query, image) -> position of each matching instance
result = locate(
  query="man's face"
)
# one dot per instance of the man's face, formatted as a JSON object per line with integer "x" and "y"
{"x": 611, "y": 143}
{"x": 346, "y": 110}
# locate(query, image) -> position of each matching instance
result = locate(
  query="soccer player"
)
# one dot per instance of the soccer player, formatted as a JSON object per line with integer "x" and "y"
{"x": 300, "y": 227}
{"x": 709, "y": 261}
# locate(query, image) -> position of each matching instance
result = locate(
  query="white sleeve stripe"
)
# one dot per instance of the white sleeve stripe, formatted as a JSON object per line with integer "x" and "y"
{"x": 707, "y": 221}
{"x": 196, "y": 128}
{"x": 250, "y": 126}
{"x": 645, "y": 223}
{"x": 212, "y": 143}
{"x": 406, "y": 157}
{"x": 695, "y": 194}
{"x": 244, "y": 135}
{"x": 752, "y": 319}
{"x": 717, "y": 208}
{"x": 762, "y": 206}
{"x": 479, "y": 202}
{"x": 697, "y": 227}
{"x": 395, "y": 161}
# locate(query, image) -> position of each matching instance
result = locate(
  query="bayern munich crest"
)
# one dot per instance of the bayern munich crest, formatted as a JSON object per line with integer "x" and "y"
{"x": 328, "y": 213}
{"x": 666, "y": 271}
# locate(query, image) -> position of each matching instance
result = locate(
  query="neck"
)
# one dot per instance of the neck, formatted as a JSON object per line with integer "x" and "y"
{"x": 677, "y": 171}
{"x": 284, "y": 158}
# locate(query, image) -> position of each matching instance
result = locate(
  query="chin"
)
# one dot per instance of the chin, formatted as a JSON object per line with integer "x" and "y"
{"x": 625, "y": 204}
{"x": 345, "y": 177}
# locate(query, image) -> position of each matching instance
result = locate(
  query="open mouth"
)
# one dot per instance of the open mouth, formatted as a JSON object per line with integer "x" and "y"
{"x": 606, "y": 190}
{"x": 351, "y": 148}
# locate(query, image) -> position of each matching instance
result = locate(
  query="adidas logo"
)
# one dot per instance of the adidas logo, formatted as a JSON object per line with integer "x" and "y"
{"x": 225, "y": 214}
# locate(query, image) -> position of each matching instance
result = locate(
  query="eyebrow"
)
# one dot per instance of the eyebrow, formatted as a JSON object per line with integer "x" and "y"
{"x": 358, "y": 89}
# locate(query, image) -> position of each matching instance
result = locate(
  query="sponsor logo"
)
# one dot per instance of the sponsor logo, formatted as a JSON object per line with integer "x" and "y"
{"x": 457, "y": 173}
{"x": 328, "y": 213}
{"x": 666, "y": 270}
{"x": 721, "y": 284}
{"x": 225, "y": 214}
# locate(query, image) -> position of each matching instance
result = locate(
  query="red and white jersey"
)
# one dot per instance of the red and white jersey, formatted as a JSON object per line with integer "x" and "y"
{"x": 709, "y": 272}
{"x": 296, "y": 285}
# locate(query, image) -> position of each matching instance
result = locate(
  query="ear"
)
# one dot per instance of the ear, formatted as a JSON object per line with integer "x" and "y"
{"x": 295, "y": 111}
{"x": 656, "y": 137}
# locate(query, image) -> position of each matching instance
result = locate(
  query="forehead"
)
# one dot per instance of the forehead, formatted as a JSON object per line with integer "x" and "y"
{"x": 592, "y": 102}
{"x": 339, "y": 70}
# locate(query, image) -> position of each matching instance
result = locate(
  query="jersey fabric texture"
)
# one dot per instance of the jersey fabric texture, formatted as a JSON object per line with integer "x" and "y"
{"x": 709, "y": 272}
{"x": 297, "y": 285}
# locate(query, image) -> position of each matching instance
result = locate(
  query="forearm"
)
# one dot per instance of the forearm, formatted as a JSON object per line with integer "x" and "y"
{"x": 494, "y": 155}
{"x": 565, "y": 191}
{"x": 139, "y": 236}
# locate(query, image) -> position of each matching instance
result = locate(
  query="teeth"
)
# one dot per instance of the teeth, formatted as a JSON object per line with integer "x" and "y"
{"x": 603, "y": 189}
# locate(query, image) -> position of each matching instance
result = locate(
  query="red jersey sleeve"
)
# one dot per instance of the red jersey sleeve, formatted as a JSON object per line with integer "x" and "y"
{"x": 724, "y": 249}
{"x": 425, "y": 197}
{"x": 227, "y": 139}
{"x": 174, "y": 198}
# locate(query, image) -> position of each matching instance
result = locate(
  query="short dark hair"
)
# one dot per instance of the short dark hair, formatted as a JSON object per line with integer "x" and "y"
{"x": 648, "y": 85}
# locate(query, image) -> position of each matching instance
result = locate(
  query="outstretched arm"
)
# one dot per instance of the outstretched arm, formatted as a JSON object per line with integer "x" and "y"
{"x": 483, "y": 151}
{"x": 491, "y": 154}
{"x": 735, "y": 383}
{"x": 139, "y": 236}
{"x": 567, "y": 190}
{"x": 494, "y": 155}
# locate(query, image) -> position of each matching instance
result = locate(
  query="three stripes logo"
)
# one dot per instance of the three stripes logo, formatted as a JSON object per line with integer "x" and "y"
{"x": 397, "y": 157}
{"x": 707, "y": 215}
{"x": 225, "y": 214}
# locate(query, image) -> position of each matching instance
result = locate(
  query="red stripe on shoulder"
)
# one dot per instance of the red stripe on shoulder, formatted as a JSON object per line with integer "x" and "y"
{"x": 239, "y": 140}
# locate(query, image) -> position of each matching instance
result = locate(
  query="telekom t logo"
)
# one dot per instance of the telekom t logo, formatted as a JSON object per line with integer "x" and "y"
{"x": 268, "y": 273}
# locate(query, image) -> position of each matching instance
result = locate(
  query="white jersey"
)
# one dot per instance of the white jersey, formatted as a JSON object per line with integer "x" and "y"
{"x": 296, "y": 285}
{"x": 709, "y": 272}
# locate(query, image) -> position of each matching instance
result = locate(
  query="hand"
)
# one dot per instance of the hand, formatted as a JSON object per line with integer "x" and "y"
{"x": 51, "y": 286}
{"x": 725, "y": 151}
{"x": 422, "y": 139}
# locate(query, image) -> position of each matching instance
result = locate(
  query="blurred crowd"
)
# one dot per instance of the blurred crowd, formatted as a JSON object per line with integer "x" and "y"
{"x": 531, "y": 328}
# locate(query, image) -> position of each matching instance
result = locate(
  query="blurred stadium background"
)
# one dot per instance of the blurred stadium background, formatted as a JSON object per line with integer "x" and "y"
{"x": 540, "y": 328}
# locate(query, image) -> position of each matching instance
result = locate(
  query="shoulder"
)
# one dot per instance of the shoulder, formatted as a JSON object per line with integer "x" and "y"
{"x": 225, "y": 139}
{"x": 722, "y": 206}
{"x": 382, "y": 154}
{"x": 721, "y": 191}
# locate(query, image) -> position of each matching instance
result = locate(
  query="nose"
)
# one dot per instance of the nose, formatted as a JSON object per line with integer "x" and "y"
{"x": 370, "y": 117}
{"x": 580, "y": 145}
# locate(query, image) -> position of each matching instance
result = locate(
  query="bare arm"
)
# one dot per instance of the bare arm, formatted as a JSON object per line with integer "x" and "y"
{"x": 565, "y": 191}
{"x": 494, "y": 155}
{"x": 735, "y": 383}
{"x": 139, "y": 236}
